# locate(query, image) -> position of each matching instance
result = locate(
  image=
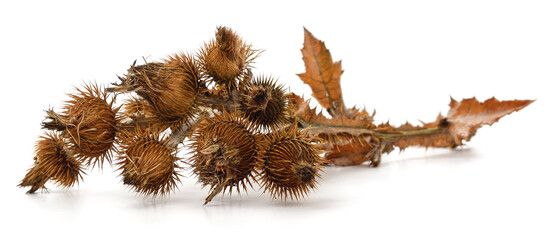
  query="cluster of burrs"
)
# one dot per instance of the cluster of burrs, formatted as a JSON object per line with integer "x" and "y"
{"x": 237, "y": 127}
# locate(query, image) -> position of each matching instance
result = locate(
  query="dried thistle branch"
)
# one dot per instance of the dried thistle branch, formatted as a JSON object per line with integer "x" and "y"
{"x": 243, "y": 129}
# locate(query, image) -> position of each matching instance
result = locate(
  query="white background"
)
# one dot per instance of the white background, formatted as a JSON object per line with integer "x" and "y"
{"x": 402, "y": 58}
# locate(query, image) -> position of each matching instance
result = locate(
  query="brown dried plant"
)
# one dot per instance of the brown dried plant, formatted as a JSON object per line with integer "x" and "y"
{"x": 89, "y": 122}
{"x": 169, "y": 88}
{"x": 242, "y": 129}
{"x": 290, "y": 163}
{"x": 264, "y": 102}
{"x": 225, "y": 151}
{"x": 226, "y": 59}
{"x": 148, "y": 162}
{"x": 138, "y": 113}
{"x": 53, "y": 161}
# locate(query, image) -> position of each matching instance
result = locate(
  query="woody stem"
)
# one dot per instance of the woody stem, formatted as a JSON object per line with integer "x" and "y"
{"x": 219, "y": 103}
{"x": 409, "y": 133}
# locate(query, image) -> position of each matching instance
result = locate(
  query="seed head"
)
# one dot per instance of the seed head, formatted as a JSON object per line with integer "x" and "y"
{"x": 89, "y": 122}
{"x": 138, "y": 113}
{"x": 226, "y": 59}
{"x": 225, "y": 152}
{"x": 170, "y": 88}
{"x": 148, "y": 162}
{"x": 53, "y": 161}
{"x": 290, "y": 164}
{"x": 264, "y": 102}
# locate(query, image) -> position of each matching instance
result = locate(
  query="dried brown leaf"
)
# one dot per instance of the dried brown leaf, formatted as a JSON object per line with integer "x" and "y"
{"x": 462, "y": 122}
{"x": 345, "y": 149}
{"x": 322, "y": 74}
{"x": 466, "y": 116}
{"x": 300, "y": 109}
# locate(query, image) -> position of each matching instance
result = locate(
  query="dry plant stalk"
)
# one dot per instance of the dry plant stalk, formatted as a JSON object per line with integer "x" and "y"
{"x": 243, "y": 129}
